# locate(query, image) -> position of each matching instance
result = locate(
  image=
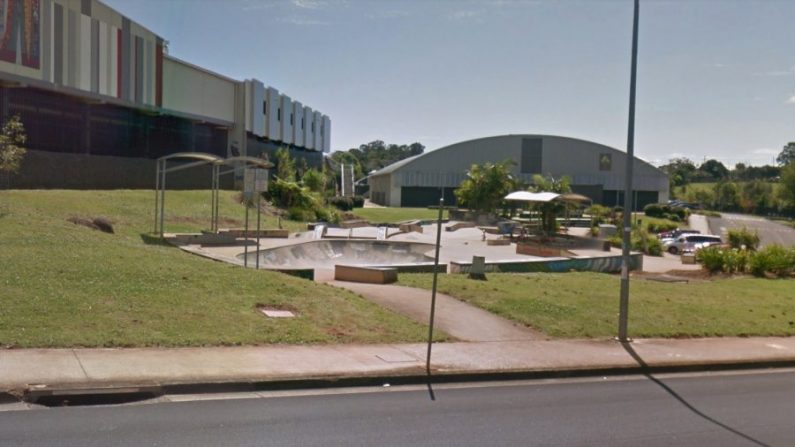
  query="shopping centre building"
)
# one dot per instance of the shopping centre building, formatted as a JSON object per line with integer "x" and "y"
{"x": 101, "y": 99}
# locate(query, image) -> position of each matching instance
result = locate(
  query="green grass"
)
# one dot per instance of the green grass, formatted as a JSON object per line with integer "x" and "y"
{"x": 579, "y": 305}
{"x": 65, "y": 285}
{"x": 392, "y": 215}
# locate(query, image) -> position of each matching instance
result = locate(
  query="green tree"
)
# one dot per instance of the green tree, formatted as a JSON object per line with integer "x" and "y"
{"x": 787, "y": 155}
{"x": 679, "y": 170}
{"x": 314, "y": 180}
{"x": 285, "y": 165}
{"x": 551, "y": 210}
{"x": 727, "y": 196}
{"x": 12, "y": 147}
{"x": 485, "y": 186}
{"x": 788, "y": 184}
{"x": 715, "y": 169}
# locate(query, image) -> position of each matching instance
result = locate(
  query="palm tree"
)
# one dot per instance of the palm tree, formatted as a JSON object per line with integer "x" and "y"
{"x": 550, "y": 210}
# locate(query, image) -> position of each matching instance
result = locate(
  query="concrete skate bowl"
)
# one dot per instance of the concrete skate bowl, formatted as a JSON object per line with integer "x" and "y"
{"x": 325, "y": 254}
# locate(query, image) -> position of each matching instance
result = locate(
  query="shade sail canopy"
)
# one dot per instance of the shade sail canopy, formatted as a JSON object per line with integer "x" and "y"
{"x": 527, "y": 196}
{"x": 572, "y": 197}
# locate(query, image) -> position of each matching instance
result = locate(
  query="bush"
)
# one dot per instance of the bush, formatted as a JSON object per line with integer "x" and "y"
{"x": 743, "y": 239}
{"x": 341, "y": 203}
{"x": 599, "y": 213}
{"x": 300, "y": 214}
{"x": 716, "y": 259}
{"x": 654, "y": 210}
{"x": 358, "y": 202}
{"x": 773, "y": 259}
{"x": 640, "y": 240}
{"x": 711, "y": 258}
{"x": 329, "y": 215}
{"x": 658, "y": 226}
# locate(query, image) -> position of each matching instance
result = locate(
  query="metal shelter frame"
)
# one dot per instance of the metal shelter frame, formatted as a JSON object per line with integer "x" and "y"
{"x": 201, "y": 158}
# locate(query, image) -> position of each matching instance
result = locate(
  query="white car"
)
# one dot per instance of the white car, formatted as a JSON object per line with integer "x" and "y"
{"x": 691, "y": 242}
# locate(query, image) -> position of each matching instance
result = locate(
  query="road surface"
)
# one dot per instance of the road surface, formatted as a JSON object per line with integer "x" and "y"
{"x": 769, "y": 232}
{"x": 735, "y": 409}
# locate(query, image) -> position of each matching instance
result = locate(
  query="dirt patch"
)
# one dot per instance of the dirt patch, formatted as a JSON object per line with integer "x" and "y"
{"x": 95, "y": 223}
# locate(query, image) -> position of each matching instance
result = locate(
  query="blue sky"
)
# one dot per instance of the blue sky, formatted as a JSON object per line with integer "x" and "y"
{"x": 716, "y": 79}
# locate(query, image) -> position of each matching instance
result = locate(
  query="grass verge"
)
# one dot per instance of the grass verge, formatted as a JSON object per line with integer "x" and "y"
{"x": 578, "y": 305}
{"x": 65, "y": 285}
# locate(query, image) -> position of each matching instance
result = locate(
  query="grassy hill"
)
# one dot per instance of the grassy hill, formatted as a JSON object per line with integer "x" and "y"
{"x": 65, "y": 285}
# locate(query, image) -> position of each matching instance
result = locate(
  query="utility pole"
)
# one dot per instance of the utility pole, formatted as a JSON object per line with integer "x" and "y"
{"x": 623, "y": 311}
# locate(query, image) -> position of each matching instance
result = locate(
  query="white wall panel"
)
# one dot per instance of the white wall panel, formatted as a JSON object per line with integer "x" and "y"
{"x": 255, "y": 107}
{"x": 191, "y": 90}
{"x": 318, "y": 141}
{"x": 84, "y": 54}
{"x": 287, "y": 119}
{"x": 298, "y": 125}
{"x": 326, "y": 137}
{"x": 113, "y": 63}
{"x": 309, "y": 134}
{"x": 273, "y": 122}
{"x": 103, "y": 59}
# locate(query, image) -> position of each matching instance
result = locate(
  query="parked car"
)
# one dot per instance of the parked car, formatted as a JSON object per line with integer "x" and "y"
{"x": 691, "y": 242}
{"x": 673, "y": 234}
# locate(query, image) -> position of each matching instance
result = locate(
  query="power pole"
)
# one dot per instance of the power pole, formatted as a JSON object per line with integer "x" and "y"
{"x": 623, "y": 311}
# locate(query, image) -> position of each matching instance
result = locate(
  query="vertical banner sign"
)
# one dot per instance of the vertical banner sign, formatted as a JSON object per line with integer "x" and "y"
{"x": 346, "y": 175}
{"x": 255, "y": 181}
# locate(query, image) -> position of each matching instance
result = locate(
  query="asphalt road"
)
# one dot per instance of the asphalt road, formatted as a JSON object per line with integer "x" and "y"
{"x": 769, "y": 232}
{"x": 708, "y": 410}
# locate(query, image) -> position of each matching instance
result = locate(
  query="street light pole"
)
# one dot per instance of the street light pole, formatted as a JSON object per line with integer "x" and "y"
{"x": 623, "y": 311}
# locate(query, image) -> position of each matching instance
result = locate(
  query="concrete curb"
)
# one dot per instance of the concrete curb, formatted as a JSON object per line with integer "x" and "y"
{"x": 110, "y": 393}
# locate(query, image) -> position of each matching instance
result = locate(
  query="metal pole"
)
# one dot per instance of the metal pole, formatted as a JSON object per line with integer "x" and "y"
{"x": 245, "y": 238}
{"x": 259, "y": 199}
{"x": 623, "y": 311}
{"x": 157, "y": 192}
{"x": 433, "y": 288}
{"x": 162, "y": 197}
{"x": 217, "y": 195}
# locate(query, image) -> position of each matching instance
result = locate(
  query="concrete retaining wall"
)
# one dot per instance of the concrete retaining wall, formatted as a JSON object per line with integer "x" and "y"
{"x": 604, "y": 264}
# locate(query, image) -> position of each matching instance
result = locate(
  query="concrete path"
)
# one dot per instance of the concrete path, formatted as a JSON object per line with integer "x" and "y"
{"x": 700, "y": 223}
{"x": 43, "y": 369}
{"x": 456, "y": 318}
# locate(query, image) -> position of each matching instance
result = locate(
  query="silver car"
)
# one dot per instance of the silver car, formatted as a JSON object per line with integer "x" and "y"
{"x": 691, "y": 242}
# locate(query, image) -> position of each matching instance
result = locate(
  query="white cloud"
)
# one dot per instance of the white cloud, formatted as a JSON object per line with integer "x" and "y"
{"x": 301, "y": 21}
{"x": 778, "y": 73}
{"x": 309, "y": 4}
{"x": 791, "y": 100}
{"x": 253, "y": 5}
{"x": 766, "y": 151}
{"x": 466, "y": 14}
{"x": 389, "y": 14}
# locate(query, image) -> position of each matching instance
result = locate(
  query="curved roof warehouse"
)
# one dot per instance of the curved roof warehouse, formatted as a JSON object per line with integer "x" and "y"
{"x": 596, "y": 170}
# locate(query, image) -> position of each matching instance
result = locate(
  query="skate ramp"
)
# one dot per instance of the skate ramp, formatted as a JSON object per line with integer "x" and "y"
{"x": 328, "y": 253}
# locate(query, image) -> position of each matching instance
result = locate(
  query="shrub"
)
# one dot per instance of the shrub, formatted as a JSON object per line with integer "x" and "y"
{"x": 773, "y": 259}
{"x": 654, "y": 210}
{"x": 743, "y": 238}
{"x": 657, "y": 226}
{"x": 341, "y": 203}
{"x": 358, "y": 202}
{"x": 711, "y": 258}
{"x": 300, "y": 214}
{"x": 314, "y": 180}
{"x": 599, "y": 214}
{"x": 640, "y": 240}
{"x": 329, "y": 215}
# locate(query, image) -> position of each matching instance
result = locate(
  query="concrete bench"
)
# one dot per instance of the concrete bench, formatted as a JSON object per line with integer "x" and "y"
{"x": 366, "y": 274}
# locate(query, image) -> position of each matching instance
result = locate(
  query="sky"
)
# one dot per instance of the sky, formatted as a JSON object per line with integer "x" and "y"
{"x": 716, "y": 78}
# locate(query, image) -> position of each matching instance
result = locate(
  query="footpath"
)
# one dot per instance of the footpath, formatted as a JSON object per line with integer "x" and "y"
{"x": 45, "y": 372}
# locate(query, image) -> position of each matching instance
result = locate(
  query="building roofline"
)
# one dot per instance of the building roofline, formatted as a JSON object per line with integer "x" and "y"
{"x": 408, "y": 161}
